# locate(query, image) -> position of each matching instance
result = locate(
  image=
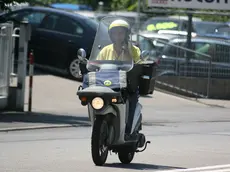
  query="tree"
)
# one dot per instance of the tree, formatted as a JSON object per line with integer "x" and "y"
{"x": 129, "y": 5}
{"x": 4, "y": 3}
{"x": 93, "y": 3}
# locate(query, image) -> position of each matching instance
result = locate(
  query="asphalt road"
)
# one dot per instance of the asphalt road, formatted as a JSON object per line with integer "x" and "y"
{"x": 176, "y": 142}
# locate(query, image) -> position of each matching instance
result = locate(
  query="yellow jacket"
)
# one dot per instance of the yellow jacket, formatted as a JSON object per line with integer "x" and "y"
{"x": 108, "y": 53}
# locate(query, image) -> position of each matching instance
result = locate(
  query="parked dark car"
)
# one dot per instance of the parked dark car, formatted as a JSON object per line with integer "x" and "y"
{"x": 176, "y": 61}
{"x": 56, "y": 37}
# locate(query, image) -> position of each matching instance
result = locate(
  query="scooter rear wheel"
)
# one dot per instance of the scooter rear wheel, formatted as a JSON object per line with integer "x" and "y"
{"x": 99, "y": 149}
{"x": 126, "y": 157}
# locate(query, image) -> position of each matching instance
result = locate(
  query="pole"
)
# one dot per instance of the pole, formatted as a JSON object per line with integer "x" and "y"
{"x": 189, "y": 41}
{"x": 189, "y": 31}
{"x": 209, "y": 77}
{"x": 25, "y": 31}
{"x": 31, "y": 73}
{"x": 138, "y": 20}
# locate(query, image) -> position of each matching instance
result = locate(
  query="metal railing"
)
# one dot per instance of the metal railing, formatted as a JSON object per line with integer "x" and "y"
{"x": 183, "y": 70}
{"x": 184, "y": 67}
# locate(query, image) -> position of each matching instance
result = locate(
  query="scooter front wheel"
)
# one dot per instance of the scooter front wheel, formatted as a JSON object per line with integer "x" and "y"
{"x": 126, "y": 157}
{"x": 99, "y": 149}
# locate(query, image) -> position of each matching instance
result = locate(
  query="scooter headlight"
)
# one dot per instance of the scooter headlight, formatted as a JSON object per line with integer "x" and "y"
{"x": 97, "y": 103}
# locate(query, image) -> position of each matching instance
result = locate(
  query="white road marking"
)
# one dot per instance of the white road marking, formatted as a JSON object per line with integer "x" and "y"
{"x": 216, "y": 168}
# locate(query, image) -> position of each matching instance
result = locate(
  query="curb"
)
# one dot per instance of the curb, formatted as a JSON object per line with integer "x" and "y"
{"x": 43, "y": 127}
{"x": 189, "y": 98}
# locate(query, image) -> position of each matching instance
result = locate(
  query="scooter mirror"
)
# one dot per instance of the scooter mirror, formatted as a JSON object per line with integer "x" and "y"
{"x": 145, "y": 54}
{"x": 81, "y": 54}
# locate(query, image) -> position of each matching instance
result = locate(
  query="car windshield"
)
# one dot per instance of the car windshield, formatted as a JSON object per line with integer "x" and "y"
{"x": 104, "y": 53}
{"x": 206, "y": 27}
{"x": 223, "y": 31}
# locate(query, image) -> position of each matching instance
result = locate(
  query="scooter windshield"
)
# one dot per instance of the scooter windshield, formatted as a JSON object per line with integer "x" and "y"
{"x": 111, "y": 48}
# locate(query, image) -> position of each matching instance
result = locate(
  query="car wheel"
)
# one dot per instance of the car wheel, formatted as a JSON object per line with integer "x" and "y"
{"x": 74, "y": 69}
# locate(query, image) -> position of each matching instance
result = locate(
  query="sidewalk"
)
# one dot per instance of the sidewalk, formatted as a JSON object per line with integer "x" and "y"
{"x": 215, "y": 102}
{"x": 208, "y": 102}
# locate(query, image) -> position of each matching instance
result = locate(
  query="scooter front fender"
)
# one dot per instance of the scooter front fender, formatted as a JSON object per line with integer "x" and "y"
{"x": 105, "y": 111}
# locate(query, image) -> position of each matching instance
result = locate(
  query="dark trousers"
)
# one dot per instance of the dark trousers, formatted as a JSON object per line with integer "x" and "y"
{"x": 133, "y": 99}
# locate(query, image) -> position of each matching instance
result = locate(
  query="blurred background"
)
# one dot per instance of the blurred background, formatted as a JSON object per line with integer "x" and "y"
{"x": 191, "y": 49}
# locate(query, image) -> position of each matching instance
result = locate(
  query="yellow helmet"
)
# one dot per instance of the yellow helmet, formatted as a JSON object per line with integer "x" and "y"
{"x": 119, "y": 23}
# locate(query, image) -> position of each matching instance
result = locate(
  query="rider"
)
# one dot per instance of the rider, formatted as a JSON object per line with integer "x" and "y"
{"x": 121, "y": 49}
{"x": 119, "y": 31}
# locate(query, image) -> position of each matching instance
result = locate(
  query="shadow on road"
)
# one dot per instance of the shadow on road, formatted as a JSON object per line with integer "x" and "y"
{"x": 38, "y": 72}
{"x": 39, "y": 117}
{"x": 146, "y": 96}
{"x": 42, "y": 71}
{"x": 141, "y": 166}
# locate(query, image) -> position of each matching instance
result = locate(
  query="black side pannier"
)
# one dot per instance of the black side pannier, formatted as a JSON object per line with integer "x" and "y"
{"x": 147, "y": 80}
{"x": 142, "y": 76}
